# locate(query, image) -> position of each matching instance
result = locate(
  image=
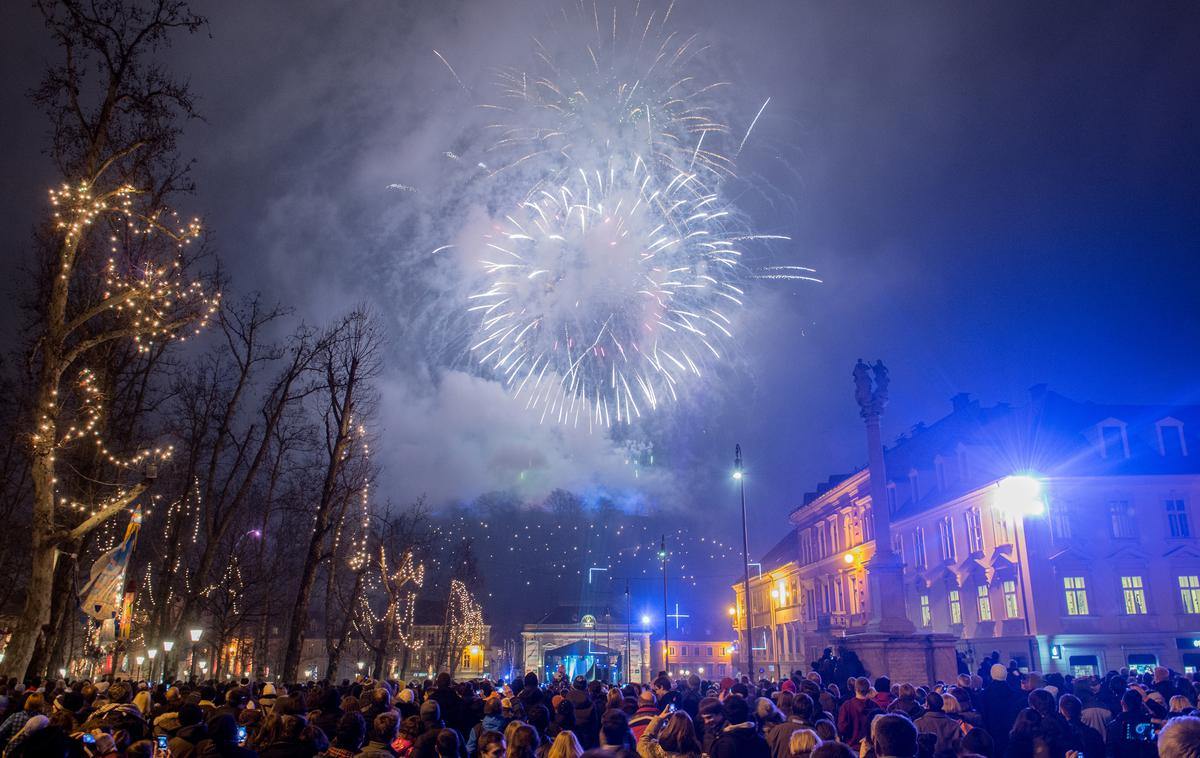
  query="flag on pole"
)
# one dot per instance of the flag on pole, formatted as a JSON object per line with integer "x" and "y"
{"x": 102, "y": 595}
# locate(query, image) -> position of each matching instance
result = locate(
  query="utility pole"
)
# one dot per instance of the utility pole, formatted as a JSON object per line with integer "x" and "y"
{"x": 662, "y": 556}
{"x": 739, "y": 474}
{"x": 628, "y": 635}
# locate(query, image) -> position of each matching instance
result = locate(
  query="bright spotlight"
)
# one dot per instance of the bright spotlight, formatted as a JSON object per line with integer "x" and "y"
{"x": 1020, "y": 495}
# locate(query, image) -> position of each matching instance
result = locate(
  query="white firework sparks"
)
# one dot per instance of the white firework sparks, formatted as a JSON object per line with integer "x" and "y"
{"x": 606, "y": 291}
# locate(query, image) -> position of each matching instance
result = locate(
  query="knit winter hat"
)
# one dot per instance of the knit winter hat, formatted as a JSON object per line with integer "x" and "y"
{"x": 999, "y": 672}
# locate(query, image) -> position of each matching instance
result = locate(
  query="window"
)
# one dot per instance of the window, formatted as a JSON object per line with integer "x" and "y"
{"x": 672, "y": 649}
{"x": 1177, "y": 518}
{"x": 1112, "y": 441}
{"x": 914, "y": 484}
{"x": 919, "y": 548}
{"x": 466, "y": 661}
{"x": 1135, "y": 595}
{"x": 1189, "y": 588}
{"x": 939, "y": 467}
{"x": 955, "y": 607}
{"x": 1000, "y": 521}
{"x": 891, "y": 497}
{"x": 898, "y": 546}
{"x": 926, "y": 613}
{"x": 1060, "y": 520}
{"x": 985, "y": 603}
{"x": 946, "y": 538}
{"x": 1076, "y": 594}
{"x": 1010, "y": 599}
{"x": 1170, "y": 439}
{"x": 709, "y": 652}
{"x": 974, "y": 530}
{"x": 1120, "y": 518}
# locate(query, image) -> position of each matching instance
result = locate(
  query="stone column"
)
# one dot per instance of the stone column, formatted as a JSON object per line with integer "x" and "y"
{"x": 885, "y": 572}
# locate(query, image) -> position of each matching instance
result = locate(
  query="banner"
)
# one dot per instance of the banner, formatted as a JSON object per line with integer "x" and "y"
{"x": 101, "y": 597}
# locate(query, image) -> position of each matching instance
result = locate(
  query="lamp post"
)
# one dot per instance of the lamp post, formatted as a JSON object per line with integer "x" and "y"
{"x": 167, "y": 646}
{"x": 628, "y": 633}
{"x": 153, "y": 653}
{"x": 195, "y": 635}
{"x": 662, "y": 556}
{"x": 1019, "y": 496}
{"x": 140, "y": 660}
{"x": 739, "y": 475}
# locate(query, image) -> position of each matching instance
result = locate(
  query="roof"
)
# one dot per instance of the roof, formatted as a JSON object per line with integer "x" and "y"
{"x": 784, "y": 552}
{"x": 571, "y": 614}
{"x": 1052, "y": 435}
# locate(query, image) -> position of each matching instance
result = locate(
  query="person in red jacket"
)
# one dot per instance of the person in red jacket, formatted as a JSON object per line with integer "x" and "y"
{"x": 854, "y": 717}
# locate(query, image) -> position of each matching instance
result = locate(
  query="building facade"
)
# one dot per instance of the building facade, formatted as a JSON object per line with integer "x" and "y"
{"x": 708, "y": 659}
{"x": 585, "y": 640}
{"x": 1060, "y": 534}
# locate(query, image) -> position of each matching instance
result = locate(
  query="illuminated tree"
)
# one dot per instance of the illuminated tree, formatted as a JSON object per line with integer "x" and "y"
{"x": 114, "y": 260}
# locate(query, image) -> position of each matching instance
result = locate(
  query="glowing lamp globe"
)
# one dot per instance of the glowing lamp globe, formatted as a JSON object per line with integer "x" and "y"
{"x": 1020, "y": 495}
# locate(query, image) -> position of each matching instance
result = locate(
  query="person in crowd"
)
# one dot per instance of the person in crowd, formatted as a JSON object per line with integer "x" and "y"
{"x": 854, "y": 716}
{"x": 384, "y": 729}
{"x": 192, "y": 731}
{"x": 833, "y": 749}
{"x": 491, "y": 745}
{"x": 222, "y": 741}
{"x": 739, "y": 738}
{"x": 349, "y": 738}
{"x": 1083, "y": 738}
{"x": 523, "y": 743}
{"x": 935, "y": 721}
{"x": 712, "y": 720}
{"x": 1131, "y": 732}
{"x": 999, "y": 704}
{"x": 799, "y": 716}
{"x": 614, "y": 732}
{"x": 906, "y": 702}
{"x": 802, "y": 742}
{"x": 893, "y": 736}
{"x": 565, "y": 745}
{"x": 34, "y": 705}
{"x": 1180, "y": 738}
{"x": 646, "y": 712}
{"x": 1180, "y": 706}
{"x": 493, "y": 721}
{"x": 676, "y": 740}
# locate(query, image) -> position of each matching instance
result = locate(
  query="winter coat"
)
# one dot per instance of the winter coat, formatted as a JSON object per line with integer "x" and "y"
{"x": 374, "y": 749}
{"x": 1085, "y": 739}
{"x": 908, "y": 706}
{"x": 780, "y": 737}
{"x": 648, "y": 747}
{"x": 854, "y": 720}
{"x": 490, "y": 723}
{"x": 1096, "y": 715}
{"x": 183, "y": 744}
{"x": 947, "y": 730}
{"x": 999, "y": 706}
{"x": 210, "y": 749}
{"x": 641, "y": 718}
{"x": 740, "y": 741}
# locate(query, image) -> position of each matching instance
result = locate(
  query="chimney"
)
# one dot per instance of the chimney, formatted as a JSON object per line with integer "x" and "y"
{"x": 961, "y": 401}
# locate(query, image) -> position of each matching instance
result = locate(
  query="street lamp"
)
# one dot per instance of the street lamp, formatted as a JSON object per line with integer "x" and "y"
{"x": 738, "y": 474}
{"x": 140, "y": 660}
{"x": 195, "y": 634}
{"x": 167, "y": 646}
{"x": 153, "y": 653}
{"x": 1019, "y": 496}
{"x": 777, "y": 596}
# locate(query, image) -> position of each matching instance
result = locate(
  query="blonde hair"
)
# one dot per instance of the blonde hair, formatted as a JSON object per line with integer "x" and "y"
{"x": 1179, "y": 703}
{"x": 803, "y": 742}
{"x": 565, "y": 745}
{"x": 950, "y": 704}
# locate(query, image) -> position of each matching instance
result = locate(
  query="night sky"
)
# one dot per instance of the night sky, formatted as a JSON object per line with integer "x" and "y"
{"x": 996, "y": 194}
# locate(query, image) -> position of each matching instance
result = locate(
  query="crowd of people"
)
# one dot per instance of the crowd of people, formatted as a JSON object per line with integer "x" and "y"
{"x": 1004, "y": 714}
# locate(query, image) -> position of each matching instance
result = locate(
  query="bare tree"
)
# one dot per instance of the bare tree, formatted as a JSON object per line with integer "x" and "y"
{"x": 113, "y": 262}
{"x": 350, "y": 360}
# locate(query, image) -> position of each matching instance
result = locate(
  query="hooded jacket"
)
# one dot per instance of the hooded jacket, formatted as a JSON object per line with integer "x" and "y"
{"x": 947, "y": 730}
{"x": 740, "y": 741}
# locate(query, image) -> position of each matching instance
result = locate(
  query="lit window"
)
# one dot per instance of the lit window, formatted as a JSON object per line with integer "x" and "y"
{"x": 926, "y": 613}
{"x": 1121, "y": 522}
{"x": 1135, "y": 595}
{"x": 1189, "y": 588}
{"x": 1076, "y": 595}
{"x": 672, "y": 650}
{"x": 1177, "y": 518}
{"x": 946, "y": 538}
{"x": 1000, "y": 522}
{"x": 955, "y": 607}
{"x": 974, "y": 530}
{"x": 985, "y": 603}
{"x": 919, "y": 548}
{"x": 1010, "y": 599}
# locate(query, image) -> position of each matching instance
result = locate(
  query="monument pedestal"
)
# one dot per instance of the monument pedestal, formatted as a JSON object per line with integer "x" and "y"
{"x": 920, "y": 659}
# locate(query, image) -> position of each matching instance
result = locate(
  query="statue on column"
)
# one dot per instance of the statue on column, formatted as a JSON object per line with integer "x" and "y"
{"x": 871, "y": 400}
